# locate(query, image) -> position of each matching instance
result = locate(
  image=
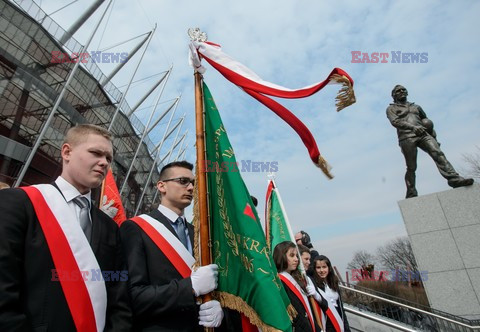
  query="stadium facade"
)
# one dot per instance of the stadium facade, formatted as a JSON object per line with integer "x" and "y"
{"x": 30, "y": 83}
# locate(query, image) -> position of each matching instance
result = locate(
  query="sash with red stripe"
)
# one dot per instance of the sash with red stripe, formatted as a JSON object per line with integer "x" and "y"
{"x": 332, "y": 314}
{"x": 168, "y": 243}
{"x": 320, "y": 311}
{"x": 295, "y": 288}
{"x": 71, "y": 252}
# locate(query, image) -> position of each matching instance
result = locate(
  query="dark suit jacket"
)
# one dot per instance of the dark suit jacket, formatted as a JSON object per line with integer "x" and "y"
{"x": 162, "y": 300}
{"x": 29, "y": 299}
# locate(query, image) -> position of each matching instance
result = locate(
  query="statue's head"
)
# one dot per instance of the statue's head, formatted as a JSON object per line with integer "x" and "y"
{"x": 399, "y": 92}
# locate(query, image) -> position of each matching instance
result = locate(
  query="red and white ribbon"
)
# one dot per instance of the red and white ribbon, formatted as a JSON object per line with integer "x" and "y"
{"x": 258, "y": 88}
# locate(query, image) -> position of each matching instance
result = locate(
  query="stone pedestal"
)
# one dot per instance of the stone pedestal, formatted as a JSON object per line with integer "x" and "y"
{"x": 444, "y": 229}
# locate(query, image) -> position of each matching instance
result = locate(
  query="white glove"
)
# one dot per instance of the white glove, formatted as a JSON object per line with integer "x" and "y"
{"x": 204, "y": 279}
{"x": 211, "y": 314}
{"x": 312, "y": 291}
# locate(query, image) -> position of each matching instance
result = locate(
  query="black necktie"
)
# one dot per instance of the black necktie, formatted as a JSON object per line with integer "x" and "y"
{"x": 85, "y": 223}
{"x": 181, "y": 232}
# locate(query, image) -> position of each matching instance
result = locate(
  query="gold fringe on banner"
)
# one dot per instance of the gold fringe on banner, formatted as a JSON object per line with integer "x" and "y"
{"x": 346, "y": 94}
{"x": 238, "y": 304}
{"x": 324, "y": 166}
{"x": 196, "y": 221}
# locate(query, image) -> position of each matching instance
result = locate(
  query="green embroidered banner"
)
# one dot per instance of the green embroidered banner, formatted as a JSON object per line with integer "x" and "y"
{"x": 247, "y": 281}
{"x": 276, "y": 224}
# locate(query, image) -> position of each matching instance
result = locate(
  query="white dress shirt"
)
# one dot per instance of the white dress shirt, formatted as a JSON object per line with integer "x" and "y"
{"x": 70, "y": 192}
{"x": 331, "y": 295}
{"x": 172, "y": 216}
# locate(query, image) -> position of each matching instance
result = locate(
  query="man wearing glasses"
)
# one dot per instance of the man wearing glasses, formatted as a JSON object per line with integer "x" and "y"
{"x": 159, "y": 252}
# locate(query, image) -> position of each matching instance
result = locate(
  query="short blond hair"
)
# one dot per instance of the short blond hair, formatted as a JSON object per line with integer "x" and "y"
{"x": 76, "y": 134}
{"x": 4, "y": 185}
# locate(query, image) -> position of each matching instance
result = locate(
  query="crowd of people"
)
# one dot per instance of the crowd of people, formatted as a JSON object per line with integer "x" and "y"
{"x": 137, "y": 277}
{"x": 321, "y": 283}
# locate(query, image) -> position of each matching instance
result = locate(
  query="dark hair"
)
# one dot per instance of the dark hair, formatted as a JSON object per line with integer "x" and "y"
{"x": 331, "y": 280}
{"x": 302, "y": 249}
{"x": 254, "y": 200}
{"x": 281, "y": 262}
{"x": 306, "y": 240}
{"x": 182, "y": 163}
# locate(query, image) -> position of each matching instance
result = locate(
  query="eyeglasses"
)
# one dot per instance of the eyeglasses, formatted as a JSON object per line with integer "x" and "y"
{"x": 183, "y": 181}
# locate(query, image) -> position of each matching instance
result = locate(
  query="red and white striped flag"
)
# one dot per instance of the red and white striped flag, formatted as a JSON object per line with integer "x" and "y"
{"x": 258, "y": 88}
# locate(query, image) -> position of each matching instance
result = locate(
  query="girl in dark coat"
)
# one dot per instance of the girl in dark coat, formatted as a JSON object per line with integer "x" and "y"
{"x": 327, "y": 283}
{"x": 285, "y": 256}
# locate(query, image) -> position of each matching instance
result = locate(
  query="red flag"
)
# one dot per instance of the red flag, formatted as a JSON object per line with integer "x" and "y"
{"x": 110, "y": 202}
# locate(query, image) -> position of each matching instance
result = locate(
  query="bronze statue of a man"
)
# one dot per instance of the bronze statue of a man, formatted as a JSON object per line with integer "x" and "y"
{"x": 414, "y": 130}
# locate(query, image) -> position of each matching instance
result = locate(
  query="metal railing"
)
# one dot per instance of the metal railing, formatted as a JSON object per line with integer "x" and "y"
{"x": 413, "y": 316}
{"x": 378, "y": 319}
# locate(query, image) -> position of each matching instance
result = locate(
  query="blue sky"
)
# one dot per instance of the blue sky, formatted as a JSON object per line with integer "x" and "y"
{"x": 297, "y": 43}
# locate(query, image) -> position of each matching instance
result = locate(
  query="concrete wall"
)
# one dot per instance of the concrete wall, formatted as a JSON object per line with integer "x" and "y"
{"x": 444, "y": 229}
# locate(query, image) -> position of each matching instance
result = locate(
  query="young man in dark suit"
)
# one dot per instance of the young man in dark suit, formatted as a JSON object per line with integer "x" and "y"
{"x": 159, "y": 252}
{"x": 60, "y": 256}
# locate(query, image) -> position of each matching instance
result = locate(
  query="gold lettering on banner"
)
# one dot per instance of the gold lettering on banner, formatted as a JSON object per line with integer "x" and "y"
{"x": 228, "y": 153}
{"x": 278, "y": 220}
{"x": 274, "y": 275}
{"x": 244, "y": 241}
{"x": 266, "y": 252}
{"x": 243, "y": 247}
{"x": 247, "y": 262}
{"x": 227, "y": 227}
{"x": 218, "y": 133}
{"x": 255, "y": 245}
{"x": 222, "y": 270}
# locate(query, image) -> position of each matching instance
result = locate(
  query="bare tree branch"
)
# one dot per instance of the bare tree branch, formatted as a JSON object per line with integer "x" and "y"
{"x": 398, "y": 254}
{"x": 473, "y": 163}
{"x": 361, "y": 259}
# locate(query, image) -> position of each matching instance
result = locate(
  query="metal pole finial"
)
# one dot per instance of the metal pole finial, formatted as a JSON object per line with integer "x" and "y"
{"x": 196, "y": 34}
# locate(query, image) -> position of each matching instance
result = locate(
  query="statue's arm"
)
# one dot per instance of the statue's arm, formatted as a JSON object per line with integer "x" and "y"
{"x": 422, "y": 113}
{"x": 397, "y": 121}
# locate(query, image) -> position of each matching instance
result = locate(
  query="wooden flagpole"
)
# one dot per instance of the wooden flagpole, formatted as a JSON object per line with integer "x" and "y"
{"x": 201, "y": 176}
{"x": 202, "y": 181}
{"x": 205, "y": 254}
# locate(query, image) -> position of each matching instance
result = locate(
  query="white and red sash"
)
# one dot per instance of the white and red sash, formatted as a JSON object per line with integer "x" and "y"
{"x": 168, "y": 243}
{"x": 297, "y": 290}
{"x": 71, "y": 253}
{"x": 332, "y": 313}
